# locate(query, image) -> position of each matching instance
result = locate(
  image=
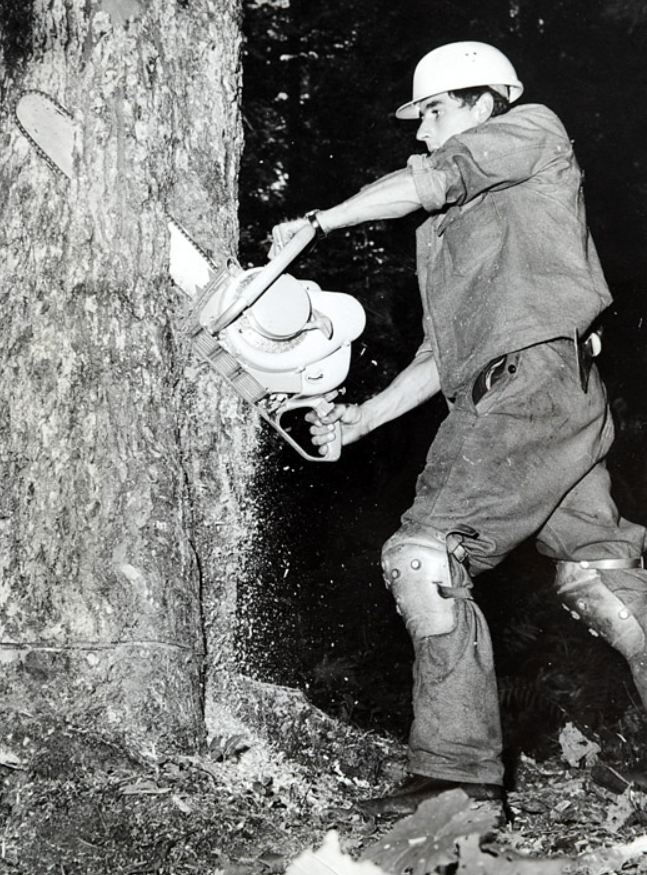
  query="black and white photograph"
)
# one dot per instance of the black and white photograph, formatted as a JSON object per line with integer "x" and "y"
{"x": 323, "y": 418}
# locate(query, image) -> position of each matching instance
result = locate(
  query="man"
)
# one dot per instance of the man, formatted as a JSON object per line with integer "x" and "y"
{"x": 511, "y": 285}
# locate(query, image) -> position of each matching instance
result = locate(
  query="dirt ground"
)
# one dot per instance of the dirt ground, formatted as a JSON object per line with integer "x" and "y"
{"x": 74, "y": 801}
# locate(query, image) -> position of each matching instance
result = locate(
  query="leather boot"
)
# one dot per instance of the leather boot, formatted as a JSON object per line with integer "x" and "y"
{"x": 415, "y": 789}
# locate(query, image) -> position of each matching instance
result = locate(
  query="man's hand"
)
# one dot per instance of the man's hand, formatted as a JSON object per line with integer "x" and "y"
{"x": 284, "y": 232}
{"x": 349, "y": 416}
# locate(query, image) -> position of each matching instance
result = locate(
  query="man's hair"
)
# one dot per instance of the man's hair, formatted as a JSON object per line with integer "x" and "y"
{"x": 471, "y": 95}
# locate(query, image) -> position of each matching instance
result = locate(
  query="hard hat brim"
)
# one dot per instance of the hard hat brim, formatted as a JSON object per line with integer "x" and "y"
{"x": 410, "y": 110}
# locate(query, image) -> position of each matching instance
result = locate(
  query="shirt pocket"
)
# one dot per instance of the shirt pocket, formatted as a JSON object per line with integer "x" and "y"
{"x": 471, "y": 237}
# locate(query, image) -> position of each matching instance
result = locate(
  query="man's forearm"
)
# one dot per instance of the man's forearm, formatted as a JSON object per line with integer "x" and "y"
{"x": 390, "y": 197}
{"x": 417, "y": 383}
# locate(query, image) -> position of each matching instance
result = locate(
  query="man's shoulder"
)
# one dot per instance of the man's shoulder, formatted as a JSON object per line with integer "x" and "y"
{"x": 532, "y": 115}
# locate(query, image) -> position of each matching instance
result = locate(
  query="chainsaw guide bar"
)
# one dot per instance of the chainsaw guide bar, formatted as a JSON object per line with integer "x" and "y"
{"x": 49, "y": 128}
{"x": 279, "y": 343}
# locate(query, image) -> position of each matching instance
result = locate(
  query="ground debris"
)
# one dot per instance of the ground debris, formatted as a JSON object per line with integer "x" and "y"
{"x": 81, "y": 801}
{"x": 452, "y": 833}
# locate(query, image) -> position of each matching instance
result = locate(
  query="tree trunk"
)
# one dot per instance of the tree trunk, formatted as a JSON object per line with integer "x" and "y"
{"x": 126, "y": 466}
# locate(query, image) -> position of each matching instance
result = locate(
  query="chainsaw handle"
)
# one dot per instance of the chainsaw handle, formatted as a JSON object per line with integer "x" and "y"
{"x": 263, "y": 279}
{"x": 313, "y": 402}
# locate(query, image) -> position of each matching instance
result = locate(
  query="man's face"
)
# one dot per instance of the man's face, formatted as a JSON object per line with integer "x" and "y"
{"x": 443, "y": 116}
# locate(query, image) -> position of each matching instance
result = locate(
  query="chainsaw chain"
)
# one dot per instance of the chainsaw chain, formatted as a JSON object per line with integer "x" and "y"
{"x": 190, "y": 239}
{"x": 57, "y": 170}
{"x": 53, "y": 166}
{"x": 39, "y": 151}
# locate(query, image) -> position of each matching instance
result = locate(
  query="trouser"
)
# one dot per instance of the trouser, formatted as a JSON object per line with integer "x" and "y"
{"x": 526, "y": 460}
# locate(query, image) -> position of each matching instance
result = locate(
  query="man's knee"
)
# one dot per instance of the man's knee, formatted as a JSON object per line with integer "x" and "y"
{"x": 612, "y": 604}
{"x": 417, "y": 571}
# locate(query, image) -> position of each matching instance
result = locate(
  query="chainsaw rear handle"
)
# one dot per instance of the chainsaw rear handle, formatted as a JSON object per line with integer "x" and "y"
{"x": 314, "y": 402}
{"x": 263, "y": 279}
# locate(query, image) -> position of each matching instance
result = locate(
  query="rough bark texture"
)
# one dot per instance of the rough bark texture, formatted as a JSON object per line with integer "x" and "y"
{"x": 126, "y": 467}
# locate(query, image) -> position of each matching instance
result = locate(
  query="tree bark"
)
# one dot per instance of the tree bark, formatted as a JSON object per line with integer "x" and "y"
{"x": 126, "y": 466}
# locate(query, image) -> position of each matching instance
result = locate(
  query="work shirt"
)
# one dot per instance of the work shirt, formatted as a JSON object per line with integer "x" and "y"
{"x": 506, "y": 259}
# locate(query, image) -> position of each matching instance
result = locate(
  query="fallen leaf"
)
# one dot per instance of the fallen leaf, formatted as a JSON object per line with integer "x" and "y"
{"x": 420, "y": 843}
{"x": 532, "y": 806}
{"x": 9, "y": 760}
{"x": 620, "y": 811}
{"x": 504, "y": 861}
{"x": 184, "y": 807}
{"x": 577, "y": 747}
{"x": 563, "y": 805}
{"x": 329, "y": 860}
{"x": 607, "y": 861}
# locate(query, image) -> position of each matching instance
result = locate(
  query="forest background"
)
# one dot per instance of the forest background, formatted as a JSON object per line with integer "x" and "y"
{"x": 321, "y": 82}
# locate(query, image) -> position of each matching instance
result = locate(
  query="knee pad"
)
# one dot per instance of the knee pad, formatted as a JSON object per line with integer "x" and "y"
{"x": 603, "y": 604}
{"x": 417, "y": 572}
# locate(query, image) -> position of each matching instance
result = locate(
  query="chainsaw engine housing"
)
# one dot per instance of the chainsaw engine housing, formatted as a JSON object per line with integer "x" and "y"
{"x": 296, "y": 338}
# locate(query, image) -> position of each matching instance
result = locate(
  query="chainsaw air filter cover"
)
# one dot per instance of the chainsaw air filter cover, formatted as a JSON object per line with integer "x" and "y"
{"x": 283, "y": 311}
{"x": 295, "y": 337}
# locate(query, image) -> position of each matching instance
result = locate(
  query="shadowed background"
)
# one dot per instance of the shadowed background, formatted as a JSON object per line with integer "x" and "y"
{"x": 321, "y": 82}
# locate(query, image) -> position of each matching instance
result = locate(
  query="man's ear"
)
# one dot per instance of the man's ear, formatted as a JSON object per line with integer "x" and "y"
{"x": 484, "y": 107}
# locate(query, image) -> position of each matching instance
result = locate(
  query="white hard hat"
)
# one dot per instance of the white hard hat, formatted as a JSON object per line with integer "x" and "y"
{"x": 461, "y": 65}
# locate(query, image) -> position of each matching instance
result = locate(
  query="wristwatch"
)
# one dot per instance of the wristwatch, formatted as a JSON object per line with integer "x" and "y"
{"x": 313, "y": 217}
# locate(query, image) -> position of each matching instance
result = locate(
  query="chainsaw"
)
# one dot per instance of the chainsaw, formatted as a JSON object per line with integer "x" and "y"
{"x": 281, "y": 343}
